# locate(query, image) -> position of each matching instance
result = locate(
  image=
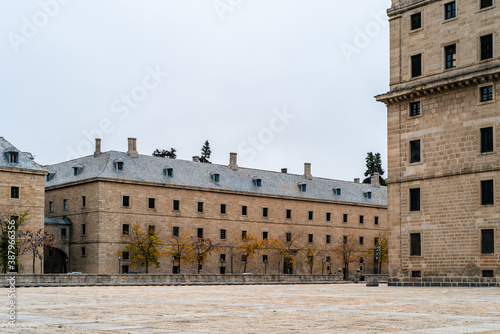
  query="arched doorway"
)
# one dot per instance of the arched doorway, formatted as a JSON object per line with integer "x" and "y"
{"x": 55, "y": 261}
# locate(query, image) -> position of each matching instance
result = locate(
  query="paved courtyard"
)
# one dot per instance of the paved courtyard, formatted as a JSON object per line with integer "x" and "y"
{"x": 255, "y": 309}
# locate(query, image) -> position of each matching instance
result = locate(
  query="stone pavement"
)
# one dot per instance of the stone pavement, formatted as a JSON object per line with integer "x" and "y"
{"x": 336, "y": 308}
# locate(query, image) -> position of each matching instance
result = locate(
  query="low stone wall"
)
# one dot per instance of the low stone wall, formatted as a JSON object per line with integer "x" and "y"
{"x": 138, "y": 280}
{"x": 479, "y": 282}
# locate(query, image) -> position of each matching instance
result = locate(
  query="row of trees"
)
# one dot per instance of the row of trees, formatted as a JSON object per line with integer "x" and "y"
{"x": 206, "y": 152}
{"x": 146, "y": 248}
{"x": 27, "y": 239}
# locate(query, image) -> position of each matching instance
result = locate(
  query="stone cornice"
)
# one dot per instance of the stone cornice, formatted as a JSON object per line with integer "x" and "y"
{"x": 403, "y": 6}
{"x": 23, "y": 171}
{"x": 441, "y": 85}
{"x": 464, "y": 171}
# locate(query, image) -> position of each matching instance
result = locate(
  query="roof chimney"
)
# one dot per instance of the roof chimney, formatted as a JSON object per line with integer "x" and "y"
{"x": 307, "y": 171}
{"x": 356, "y": 180}
{"x": 233, "y": 161}
{"x": 196, "y": 158}
{"x": 97, "y": 147}
{"x": 375, "y": 180}
{"x": 132, "y": 148}
{"x": 284, "y": 170}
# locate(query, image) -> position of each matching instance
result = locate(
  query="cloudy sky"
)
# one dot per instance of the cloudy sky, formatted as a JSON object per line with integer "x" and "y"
{"x": 281, "y": 82}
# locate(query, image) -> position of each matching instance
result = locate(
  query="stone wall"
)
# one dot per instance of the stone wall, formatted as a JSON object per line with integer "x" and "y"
{"x": 104, "y": 216}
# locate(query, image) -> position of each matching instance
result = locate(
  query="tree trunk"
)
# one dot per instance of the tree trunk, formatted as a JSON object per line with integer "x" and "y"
{"x": 34, "y": 261}
{"x": 147, "y": 265}
{"x": 231, "y": 265}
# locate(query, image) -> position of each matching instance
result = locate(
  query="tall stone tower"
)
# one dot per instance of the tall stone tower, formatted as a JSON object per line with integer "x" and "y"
{"x": 444, "y": 139}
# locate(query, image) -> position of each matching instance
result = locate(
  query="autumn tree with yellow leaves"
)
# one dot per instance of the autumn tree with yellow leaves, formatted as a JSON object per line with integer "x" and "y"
{"x": 380, "y": 253}
{"x": 145, "y": 246}
{"x": 248, "y": 247}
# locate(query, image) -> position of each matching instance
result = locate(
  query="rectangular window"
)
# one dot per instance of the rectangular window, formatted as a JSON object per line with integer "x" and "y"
{"x": 486, "y": 93}
{"x": 487, "y": 140}
{"x": 65, "y": 204}
{"x": 310, "y": 238}
{"x": 243, "y": 234}
{"x": 151, "y": 229}
{"x": 414, "y": 109}
{"x": 176, "y": 205}
{"x": 265, "y": 235}
{"x": 84, "y": 251}
{"x": 415, "y": 246}
{"x": 125, "y": 255}
{"x": 169, "y": 172}
{"x": 223, "y": 234}
{"x": 264, "y": 258}
{"x": 51, "y": 206}
{"x": 487, "y": 193}
{"x": 488, "y": 273}
{"x": 126, "y": 201}
{"x": 288, "y": 214}
{"x": 84, "y": 201}
{"x": 223, "y": 209}
{"x": 264, "y": 212}
{"x": 486, "y": 3}
{"x": 200, "y": 233}
{"x": 328, "y": 239}
{"x": 244, "y": 210}
{"x": 14, "y": 192}
{"x": 328, "y": 216}
{"x": 151, "y": 203}
{"x": 375, "y": 242}
{"x": 345, "y": 218}
{"x": 63, "y": 232}
{"x": 488, "y": 241}
{"x": 486, "y": 47}
{"x": 361, "y": 241}
{"x": 450, "y": 10}
{"x": 376, "y": 220}
{"x": 222, "y": 257}
{"x": 200, "y": 206}
{"x": 415, "y": 199}
{"x": 416, "y": 65}
{"x": 416, "y": 21}
{"x": 288, "y": 237}
{"x": 414, "y": 151}
{"x": 125, "y": 229}
{"x": 175, "y": 231}
{"x": 361, "y": 219}
{"x": 450, "y": 56}
{"x": 13, "y": 157}
{"x": 310, "y": 215}
{"x": 416, "y": 273}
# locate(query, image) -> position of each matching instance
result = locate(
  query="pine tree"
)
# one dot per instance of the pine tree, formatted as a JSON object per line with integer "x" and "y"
{"x": 205, "y": 152}
{"x": 374, "y": 165}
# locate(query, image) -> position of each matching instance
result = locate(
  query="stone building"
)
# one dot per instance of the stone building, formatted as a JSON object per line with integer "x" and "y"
{"x": 22, "y": 189}
{"x": 104, "y": 195}
{"x": 443, "y": 139}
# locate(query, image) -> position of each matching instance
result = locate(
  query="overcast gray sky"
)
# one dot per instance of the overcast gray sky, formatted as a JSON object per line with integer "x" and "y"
{"x": 281, "y": 82}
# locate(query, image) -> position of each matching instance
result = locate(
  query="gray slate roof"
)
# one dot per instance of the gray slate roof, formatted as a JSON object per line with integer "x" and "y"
{"x": 57, "y": 221}
{"x": 25, "y": 159}
{"x": 195, "y": 174}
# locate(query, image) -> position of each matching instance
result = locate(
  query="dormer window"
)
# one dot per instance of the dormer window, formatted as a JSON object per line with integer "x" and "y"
{"x": 257, "y": 182}
{"x": 168, "y": 172}
{"x": 118, "y": 165}
{"x": 368, "y": 194}
{"x": 215, "y": 177}
{"x": 303, "y": 187}
{"x": 12, "y": 155}
{"x": 337, "y": 191}
{"x": 77, "y": 169}
{"x": 51, "y": 175}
